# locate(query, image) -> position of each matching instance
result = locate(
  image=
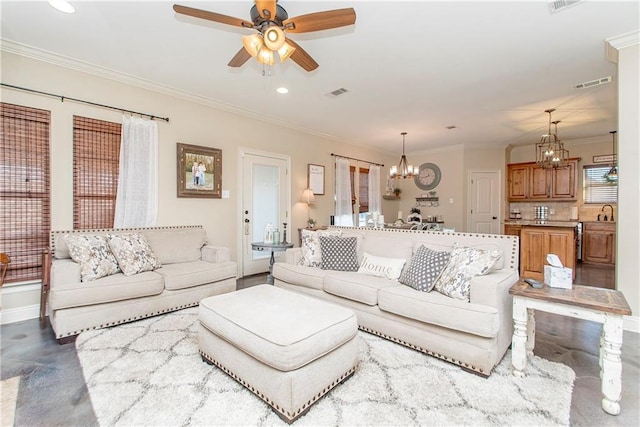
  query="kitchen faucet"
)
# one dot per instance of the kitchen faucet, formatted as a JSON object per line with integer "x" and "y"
{"x": 605, "y": 217}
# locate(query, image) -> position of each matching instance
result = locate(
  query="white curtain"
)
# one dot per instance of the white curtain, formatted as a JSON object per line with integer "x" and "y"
{"x": 137, "y": 198}
{"x": 375, "y": 195}
{"x": 344, "y": 215}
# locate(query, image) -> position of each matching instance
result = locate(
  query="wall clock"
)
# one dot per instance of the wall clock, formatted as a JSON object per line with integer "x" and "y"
{"x": 428, "y": 177}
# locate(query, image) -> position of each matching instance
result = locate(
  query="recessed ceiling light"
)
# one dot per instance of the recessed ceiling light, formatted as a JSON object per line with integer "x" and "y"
{"x": 282, "y": 90}
{"x": 62, "y": 6}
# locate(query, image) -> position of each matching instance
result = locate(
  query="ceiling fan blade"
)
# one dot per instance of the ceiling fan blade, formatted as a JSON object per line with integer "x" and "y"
{"x": 269, "y": 5}
{"x": 302, "y": 58}
{"x": 212, "y": 16}
{"x": 240, "y": 58}
{"x": 321, "y": 20}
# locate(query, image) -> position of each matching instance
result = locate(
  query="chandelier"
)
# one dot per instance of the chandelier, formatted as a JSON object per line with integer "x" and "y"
{"x": 612, "y": 175}
{"x": 403, "y": 170}
{"x": 264, "y": 46}
{"x": 550, "y": 151}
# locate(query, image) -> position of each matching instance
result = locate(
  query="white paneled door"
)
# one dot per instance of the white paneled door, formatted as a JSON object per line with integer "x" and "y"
{"x": 264, "y": 200}
{"x": 484, "y": 202}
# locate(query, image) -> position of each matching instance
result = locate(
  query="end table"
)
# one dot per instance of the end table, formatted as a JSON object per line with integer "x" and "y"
{"x": 273, "y": 247}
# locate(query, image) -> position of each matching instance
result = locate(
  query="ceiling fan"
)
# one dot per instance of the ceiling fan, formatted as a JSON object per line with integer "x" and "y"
{"x": 272, "y": 22}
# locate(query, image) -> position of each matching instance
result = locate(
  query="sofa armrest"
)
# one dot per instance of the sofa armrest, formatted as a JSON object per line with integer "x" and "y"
{"x": 215, "y": 254}
{"x": 64, "y": 271}
{"x": 493, "y": 289}
{"x": 293, "y": 256}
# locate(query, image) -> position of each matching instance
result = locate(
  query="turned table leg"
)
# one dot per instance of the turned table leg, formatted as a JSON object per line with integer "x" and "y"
{"x": 520, "y": 335}
{"x": 611, "y": 363}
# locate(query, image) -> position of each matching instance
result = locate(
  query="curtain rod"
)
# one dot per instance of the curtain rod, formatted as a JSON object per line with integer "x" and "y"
{"x": 62, "y": 99}
{"x": 359, "y": 160}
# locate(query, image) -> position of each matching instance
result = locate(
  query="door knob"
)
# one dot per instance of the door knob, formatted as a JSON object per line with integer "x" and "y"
{"x": 494, "y": 217}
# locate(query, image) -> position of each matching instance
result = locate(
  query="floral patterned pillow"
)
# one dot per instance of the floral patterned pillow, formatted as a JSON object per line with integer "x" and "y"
{"x": 133, "y": 253}
{"x": 93, "y": 254}
{"x": 464, "y": 264}
{"x": 311, "y": 253}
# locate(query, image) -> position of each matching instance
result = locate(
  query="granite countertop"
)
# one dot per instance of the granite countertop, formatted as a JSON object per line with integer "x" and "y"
{"x": 535, "y": 223}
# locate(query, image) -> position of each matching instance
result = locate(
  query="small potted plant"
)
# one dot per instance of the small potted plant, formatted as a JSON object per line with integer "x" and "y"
{"x": 311, "y": 223}
{"x": 397, "y": 191}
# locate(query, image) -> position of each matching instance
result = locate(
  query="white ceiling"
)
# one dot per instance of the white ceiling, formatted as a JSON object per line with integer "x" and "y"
{"x": 489, "y": 68}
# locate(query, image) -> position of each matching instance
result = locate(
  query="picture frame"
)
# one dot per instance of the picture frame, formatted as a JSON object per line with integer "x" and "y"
{"x": 604, "y": 158}
{"x": 199, "y": 171}
{"x": 315, "y": 178}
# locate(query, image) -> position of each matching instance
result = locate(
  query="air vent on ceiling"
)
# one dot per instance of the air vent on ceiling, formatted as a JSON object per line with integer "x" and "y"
{"x": 592, "y": 83}
{"x": 338, "y": 92}
{"x": 556, "y": 6}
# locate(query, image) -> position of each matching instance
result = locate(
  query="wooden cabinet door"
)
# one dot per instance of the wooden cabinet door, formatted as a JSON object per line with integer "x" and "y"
{"x": 518, "y": 181}
{"x": 536, "y": 243}
{"x": 539, "y": 183}
{"x": 512, "y": 230}
{"x": 563, "y": 182}
{"x": 532, "y": 253}
{"x": 598, "y": 247}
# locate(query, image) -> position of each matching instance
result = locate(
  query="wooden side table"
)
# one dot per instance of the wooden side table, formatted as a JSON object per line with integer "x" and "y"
{"x": 273, "y": 247}
{"x": 600, "y": 305}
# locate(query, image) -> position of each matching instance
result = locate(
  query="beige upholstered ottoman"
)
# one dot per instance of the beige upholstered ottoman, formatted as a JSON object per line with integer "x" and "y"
{"x": 288, "y": 349}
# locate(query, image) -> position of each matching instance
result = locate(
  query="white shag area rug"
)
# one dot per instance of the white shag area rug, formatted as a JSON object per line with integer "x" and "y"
{"x": 149, "y": 372}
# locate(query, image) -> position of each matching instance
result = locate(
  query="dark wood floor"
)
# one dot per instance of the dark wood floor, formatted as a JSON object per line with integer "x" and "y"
{"x": 53, "y": 391}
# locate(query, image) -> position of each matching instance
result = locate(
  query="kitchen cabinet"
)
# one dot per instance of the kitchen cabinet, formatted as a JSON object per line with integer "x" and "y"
{"x": 512, "y": 230}
{"x": 599, "y": 243}
{"x": 538, "y": 241}
{"x": 531, "y": 182}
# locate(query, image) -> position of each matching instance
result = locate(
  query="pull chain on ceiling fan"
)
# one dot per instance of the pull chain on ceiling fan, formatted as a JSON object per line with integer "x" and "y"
{"x": 273, "y": 23}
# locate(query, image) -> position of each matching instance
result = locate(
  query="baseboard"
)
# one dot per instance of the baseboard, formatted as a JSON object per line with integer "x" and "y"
{"x": 19, "y": 314}
{"x": 631, "y": 323}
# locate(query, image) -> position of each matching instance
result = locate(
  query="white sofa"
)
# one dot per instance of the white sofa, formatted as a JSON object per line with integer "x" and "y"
{"x": 190, "y": 271}
{"x": 474, "y": 334}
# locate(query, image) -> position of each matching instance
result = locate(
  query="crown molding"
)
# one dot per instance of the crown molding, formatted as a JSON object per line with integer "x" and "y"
{"x": 613, "y": 44}
{"x": 31, "y": 52}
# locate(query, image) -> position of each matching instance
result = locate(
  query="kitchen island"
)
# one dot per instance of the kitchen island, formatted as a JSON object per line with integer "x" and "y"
{"x": 537, "y": 239}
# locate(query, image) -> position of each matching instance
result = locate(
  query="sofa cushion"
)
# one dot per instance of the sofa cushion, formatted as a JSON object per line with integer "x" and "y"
{"x": 339, "y": 253}
{"x": 438, "y": 309}
{"x": 133, "y": 253}
{"x": 116, "y": 287}
{"x": 388, "y": 246}
{"x": 464, "y": 264}
{"x": 307, "y": 277}
{"x": 389, "y": 268}
{"x": 93, "y": 254}
{"x": 424, "y": 269}
{"x": 355, "y": 286}
{"x": 310, "y": 244}
{"x": 173, "y": 246}
{"x": 195, "y": 273}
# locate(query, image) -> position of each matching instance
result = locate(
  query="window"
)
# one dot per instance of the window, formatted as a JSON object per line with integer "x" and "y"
{"x": 363, "y": 193}
{"x": 596, "y": 187}
{"x": 96, "y": 154}
{"x": 25, "y": 202}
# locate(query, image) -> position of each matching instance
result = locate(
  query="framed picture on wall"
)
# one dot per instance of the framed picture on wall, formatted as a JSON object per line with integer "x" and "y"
{"x": 199, "y": 171}
{"x": 315, "y": 178}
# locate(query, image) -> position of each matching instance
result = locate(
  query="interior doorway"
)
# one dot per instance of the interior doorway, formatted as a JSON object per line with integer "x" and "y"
{"x": 265, "y": 193}
{"x": 485, "y": 199}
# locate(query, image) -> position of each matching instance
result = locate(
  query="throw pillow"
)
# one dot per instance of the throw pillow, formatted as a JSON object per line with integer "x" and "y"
{"x": 465, "y": 263}
{"x": 310, "y": 244}
{"x": 424, "y": 269}
{"x": 133, "y": 253}
{"x": 389, "y": 268}
{"x": 93, "y": 254}
{"x": 339, "y": 253}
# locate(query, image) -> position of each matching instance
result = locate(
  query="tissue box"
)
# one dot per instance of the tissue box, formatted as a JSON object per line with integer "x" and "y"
{"x": 557, "y": 277}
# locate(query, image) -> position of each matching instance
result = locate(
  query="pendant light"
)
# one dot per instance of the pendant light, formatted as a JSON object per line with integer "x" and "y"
{"x": 403, "y": 170}
{"x": 550, "y": 151}
{"x": 612, "y": 175}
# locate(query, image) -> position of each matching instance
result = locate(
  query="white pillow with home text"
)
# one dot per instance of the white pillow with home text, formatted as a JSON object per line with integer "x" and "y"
{"x": 389, "y": 268}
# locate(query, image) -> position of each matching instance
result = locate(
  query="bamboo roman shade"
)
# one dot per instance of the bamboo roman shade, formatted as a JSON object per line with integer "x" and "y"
{"x": 96, "y": 153}
{"x": 25, "y": 210}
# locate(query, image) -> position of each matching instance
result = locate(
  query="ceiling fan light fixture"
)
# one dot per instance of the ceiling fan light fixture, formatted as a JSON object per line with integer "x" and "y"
{"x": 286, "y": 51}
{"x": 274, "y": 37}
{"x": 252, "y": 44}
{"x": 265, "y": 56}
